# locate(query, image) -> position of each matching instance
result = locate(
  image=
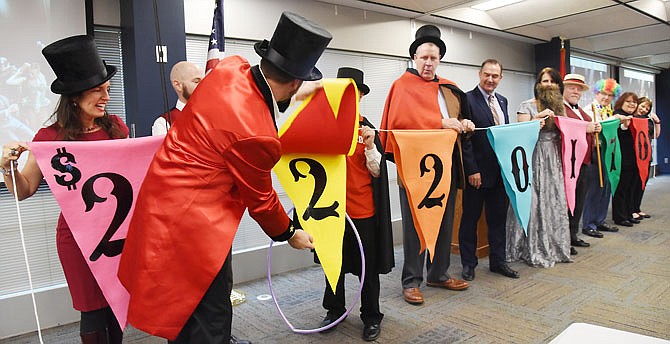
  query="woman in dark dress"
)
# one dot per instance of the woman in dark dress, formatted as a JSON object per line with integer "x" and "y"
{"x": 622, "y": 199}
{"x": 83, "y": 84}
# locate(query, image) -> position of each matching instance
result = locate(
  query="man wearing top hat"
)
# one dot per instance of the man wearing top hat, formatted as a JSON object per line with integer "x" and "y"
{"x": 214, "y": 165}
{"x": 572, "y": 93}
{"x": 419, "y": 99}
{"x": 369, "y": 209}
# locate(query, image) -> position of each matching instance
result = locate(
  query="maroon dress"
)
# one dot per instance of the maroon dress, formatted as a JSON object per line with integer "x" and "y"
{"x": 85, "y": 292}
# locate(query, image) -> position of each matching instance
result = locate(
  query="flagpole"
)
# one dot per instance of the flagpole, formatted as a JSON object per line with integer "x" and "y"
{"x": 161, "y": 63}
{"x": 600, "y": 167}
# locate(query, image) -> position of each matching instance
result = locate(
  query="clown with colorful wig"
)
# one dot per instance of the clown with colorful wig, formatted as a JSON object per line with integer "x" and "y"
{"x": 597, "y": 197}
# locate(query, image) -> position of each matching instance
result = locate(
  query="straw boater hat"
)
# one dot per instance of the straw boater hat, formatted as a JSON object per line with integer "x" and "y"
{"x": 357, "y": 75}
{"x": 77, "y": 65}
{"x": 296, "y": 45}
{"x": 427, "y": 33}
{"x": 575, "y": 79}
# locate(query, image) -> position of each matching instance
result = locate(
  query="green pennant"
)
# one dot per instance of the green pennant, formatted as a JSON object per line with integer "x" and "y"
{"x": 610, "y": 150}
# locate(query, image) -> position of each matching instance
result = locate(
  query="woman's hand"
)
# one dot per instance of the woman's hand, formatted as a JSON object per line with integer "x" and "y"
{"x": 11, "y": 152}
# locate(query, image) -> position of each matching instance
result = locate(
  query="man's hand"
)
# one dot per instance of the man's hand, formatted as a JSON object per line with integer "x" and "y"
{"x": 307, "y": 88}
{"x": 452, "y": 123}
{"x": 301, "y": 240}
{"x": 468, "y": 125}
{"x": 368, "y": 137}
{"x": 475, "y": 180}
{"x": 594, "y": 128}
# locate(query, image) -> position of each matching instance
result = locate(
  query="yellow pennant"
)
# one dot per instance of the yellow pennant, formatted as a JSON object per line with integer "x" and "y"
{"x": 317, "y": 186}
{"x": 423, "y": 159}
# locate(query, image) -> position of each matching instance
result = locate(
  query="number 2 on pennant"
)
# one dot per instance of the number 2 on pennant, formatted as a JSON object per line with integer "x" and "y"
{"x": 428, "y": 201}
{"x": 319, "y": 173}
{"x": 123, "y": 192}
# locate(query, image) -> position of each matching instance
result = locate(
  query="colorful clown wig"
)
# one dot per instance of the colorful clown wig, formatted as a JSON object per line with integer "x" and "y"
{"x": 607, "y": 85}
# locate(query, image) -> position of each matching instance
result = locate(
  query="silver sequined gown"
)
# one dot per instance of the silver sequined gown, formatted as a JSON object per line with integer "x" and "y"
{"x": 548, "y": 240}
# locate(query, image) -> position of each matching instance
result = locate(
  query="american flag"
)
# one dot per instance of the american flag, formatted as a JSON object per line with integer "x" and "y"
{"x": 216, "y": 41}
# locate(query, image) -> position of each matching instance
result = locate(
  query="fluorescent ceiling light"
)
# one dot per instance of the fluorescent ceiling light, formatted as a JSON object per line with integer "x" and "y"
{"x": 491, "y": 4}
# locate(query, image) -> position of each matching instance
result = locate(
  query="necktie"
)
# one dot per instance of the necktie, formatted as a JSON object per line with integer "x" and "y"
{"x": 493, "y": 110}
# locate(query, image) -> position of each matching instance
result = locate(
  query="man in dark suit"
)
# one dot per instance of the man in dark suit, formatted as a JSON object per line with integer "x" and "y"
{"x": 485, "y": 184}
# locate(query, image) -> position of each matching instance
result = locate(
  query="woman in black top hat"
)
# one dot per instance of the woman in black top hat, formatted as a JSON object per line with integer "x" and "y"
{"x": 82, "y": 80}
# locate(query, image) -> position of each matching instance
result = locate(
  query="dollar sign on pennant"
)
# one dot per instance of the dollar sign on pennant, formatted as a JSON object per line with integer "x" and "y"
{"x": 56, "y": 163}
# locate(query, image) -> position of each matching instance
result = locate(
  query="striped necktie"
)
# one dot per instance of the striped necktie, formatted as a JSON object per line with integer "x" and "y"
{"x": 493, "y": 110}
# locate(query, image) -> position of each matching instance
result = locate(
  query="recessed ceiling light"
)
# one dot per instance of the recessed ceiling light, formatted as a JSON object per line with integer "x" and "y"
{"x": 491, "y": 4}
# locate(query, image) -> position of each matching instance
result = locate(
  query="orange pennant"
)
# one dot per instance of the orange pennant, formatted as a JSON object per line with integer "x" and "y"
{"x": 423, "y": 159}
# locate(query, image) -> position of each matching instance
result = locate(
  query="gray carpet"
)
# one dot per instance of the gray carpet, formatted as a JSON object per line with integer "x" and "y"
{"x": 622, "y": 281}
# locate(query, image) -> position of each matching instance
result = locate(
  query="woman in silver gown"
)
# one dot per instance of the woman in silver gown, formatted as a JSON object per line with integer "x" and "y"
{"x": 548, "y": 239}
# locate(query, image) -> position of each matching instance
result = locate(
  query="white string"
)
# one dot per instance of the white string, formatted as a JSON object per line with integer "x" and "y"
{"x": 25, "y": 252}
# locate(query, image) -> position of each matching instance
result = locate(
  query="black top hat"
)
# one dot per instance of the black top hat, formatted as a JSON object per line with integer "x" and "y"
{"x": 77, "y": 65}
{"x": 427, "y": 33}
{"x": 357, "y": 75}
{"x": 296, "y": 45}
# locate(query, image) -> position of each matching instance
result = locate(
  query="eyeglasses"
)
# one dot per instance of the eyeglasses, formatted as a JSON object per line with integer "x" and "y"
{"x": 609, "y": 95}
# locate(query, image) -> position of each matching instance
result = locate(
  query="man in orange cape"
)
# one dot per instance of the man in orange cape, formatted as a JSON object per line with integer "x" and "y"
{"x": 419, "y": 99}
{"x": 211, "y": 167}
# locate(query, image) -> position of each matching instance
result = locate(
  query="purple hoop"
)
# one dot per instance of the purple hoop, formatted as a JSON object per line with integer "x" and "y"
{"x": 358, "y": 296}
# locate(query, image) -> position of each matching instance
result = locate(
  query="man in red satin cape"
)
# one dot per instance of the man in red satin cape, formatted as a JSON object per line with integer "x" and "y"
{"x": 419, "y": 99}
{"x": 211, "y": 167}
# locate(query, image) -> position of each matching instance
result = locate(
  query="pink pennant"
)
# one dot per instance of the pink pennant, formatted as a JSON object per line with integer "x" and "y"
{"x": 573, "y": 132}
{"x": 95, "y": 184}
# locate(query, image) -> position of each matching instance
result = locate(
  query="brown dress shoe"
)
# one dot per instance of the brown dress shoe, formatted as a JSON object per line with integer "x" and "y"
{"x": 412, "y": 296}
{"x": 451, "y": 284}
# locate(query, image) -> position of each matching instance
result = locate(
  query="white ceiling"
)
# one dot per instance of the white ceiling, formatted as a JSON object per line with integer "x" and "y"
{"x": 634, "y": 32}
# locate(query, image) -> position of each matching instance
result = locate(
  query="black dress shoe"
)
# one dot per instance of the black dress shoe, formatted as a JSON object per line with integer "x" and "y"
{"x": 468, "y": 272}
{"x": 504, "y": 270}
{"x": 592, "y": 233}
{"x": 371, "y": 332}
{"x": 573, "y": 252}
{"x": 632, "y": 220}
{"x": 606, "y": 228}
{"x": 579, "y": 243}
{"x": 329, "y": 319}
{"x": 624, "y": 223}
{"x": 235, "y": 340}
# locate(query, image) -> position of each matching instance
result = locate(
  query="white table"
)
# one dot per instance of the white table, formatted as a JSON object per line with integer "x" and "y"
{"x": 592, "y": 334}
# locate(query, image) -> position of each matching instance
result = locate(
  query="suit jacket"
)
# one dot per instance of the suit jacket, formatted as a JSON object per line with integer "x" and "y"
{"x": 482, "y": 158}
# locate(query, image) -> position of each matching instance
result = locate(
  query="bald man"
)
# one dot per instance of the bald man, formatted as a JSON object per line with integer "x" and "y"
{"x": 184, "y": 78}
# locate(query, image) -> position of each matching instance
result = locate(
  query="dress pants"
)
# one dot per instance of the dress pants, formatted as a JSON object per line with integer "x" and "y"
{"x": 580, "y": 195}
{"x": 622, "y": 200}
{"x": 212, "y": 318}
{"x": 495, "y": 202}
{"x": 335, "y": 303}
{"x": 597, "y": 198}
{"x": 638, "y": 192}
{"x": 412, "y": 270}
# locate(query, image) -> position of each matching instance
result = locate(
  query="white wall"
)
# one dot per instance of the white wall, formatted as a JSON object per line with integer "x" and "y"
{"x": 356, "y": 30}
